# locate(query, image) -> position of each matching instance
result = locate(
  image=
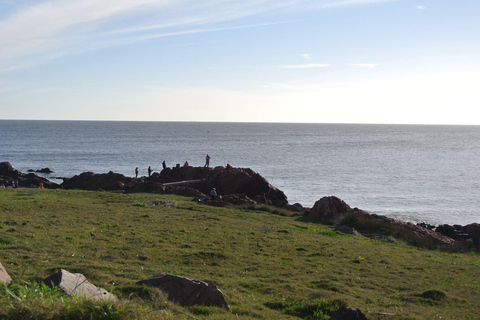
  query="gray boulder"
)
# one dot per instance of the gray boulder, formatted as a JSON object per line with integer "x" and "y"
{"x": 347, "y": 230}
{"x": 75, "y": 284}
{"x": 4, "y": 277}
{"x": 185, "y": 291}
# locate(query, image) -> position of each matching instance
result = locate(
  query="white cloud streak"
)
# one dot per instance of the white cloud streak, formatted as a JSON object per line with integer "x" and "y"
{"x": 51, "y": 28}
{"x": 306, "y": 66}
{"x": 366, "y": 65}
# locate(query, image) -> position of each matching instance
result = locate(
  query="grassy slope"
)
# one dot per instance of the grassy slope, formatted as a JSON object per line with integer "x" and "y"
{"x": 42, "y": 231}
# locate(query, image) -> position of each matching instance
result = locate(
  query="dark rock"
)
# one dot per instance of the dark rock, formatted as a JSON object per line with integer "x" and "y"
{"x": 348, "y": 314}
{"x": 297, "y": 207}
{"x": 187, "y": 292}
{"x": 75, "y": 284}
{"x": 446, "y": 230}
{"x": 473, "y": 230}
{"x": 436, "y": 295}
{"x": 92, "y": 181}
{"x": 30, "y": 180}
{"x": 330, "y": 208}
{"x": 346, "y": 230}
{"x": 4, "y": 277}
{"x": 44, "y": 170}
{"x": 334, "y": 209}
{"x": 426, "y": 225}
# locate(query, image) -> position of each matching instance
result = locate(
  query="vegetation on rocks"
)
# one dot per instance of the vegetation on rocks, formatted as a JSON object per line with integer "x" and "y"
{"x": 270, "y": 263}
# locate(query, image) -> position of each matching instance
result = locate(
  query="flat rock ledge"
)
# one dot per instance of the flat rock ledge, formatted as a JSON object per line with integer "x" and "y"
{"x": 75, "y": 284}
{"x": 185, "y": 291}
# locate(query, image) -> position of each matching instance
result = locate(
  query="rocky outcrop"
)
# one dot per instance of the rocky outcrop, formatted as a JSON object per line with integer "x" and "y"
{"x": 336, "y": 210}
{"x": 8, "y": 175}
{"x": 4, "y": 277}
{"x": 237, "y": 186}
{"x": 97, "y": 181}
{"x": 185, "y": 291}
{"x": 75, "y": 284}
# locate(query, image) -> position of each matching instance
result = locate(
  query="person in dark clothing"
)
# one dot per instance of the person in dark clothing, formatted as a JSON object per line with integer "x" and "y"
{"x": 164, "y": 165}
{"x": 149, "y": 171}
{"x": 136, "y": 172}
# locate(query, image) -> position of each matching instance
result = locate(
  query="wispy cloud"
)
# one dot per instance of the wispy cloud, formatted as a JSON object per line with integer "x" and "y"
{"x": 420, "y": 7}
{"x": 306, "y": 66}
{"x": 35, "y": 31}
{"x": 367, "y": 65}
{"x": 305, "y": 56}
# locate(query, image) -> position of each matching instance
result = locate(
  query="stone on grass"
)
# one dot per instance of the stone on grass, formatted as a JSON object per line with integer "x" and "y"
{"x": 347, "y": 230}
{"x": 348, "y": 314}
{"x": 75, "y": 284}
{"x": 185, "y": 291}
{"x": 4, "y": 277}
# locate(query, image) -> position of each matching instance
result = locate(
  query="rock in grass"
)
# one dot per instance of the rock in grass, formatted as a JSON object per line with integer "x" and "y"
{"x": 348, "y": 314}
{"x": 75, "y": 284}
{"x": 4, "y": 277}
{"x": 186, "y": 291}
{"x": 346, "y": 230}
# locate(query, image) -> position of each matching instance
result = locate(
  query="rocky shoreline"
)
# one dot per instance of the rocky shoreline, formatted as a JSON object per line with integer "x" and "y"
{"x": 241, "y": 186}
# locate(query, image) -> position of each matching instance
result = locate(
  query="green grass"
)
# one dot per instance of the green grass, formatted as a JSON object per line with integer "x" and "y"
{"x": 269, "y": 263}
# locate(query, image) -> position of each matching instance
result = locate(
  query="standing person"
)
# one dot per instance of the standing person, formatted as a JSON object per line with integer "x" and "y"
{"x": 207, "y": 161}
{"x": 149, "y": 171}
{"x": 164, "y": 165}
{"x": 136, "y": 172}
{"x": 213, "y": 194}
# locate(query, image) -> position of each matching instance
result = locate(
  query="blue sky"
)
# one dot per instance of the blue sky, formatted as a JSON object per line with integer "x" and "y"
{"x": 322, "y": 61}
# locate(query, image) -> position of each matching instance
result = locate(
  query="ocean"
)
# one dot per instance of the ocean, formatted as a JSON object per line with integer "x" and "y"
{"x": 411, "y": 173}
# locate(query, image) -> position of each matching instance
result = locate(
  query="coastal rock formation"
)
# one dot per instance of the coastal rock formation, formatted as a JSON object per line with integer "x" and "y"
{"x": 8, "y": 175}
{"x": 186, "y": 291}
{"x": 335, "y": 210}
{"x": 75, "y": 284}
{"x": 239, "y": 185}
{"x": 43, "y": 170}
{"x": 4, "y": 277}
{"x": 97, "y": 181}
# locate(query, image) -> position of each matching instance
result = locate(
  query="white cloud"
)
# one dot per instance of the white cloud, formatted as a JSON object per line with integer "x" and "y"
{"x": 367, "y": 65}
{"x": 306, "y": 66}
{"x": 307, "y": 56}
{"x": 39, "y": 29}
{"x": 420, "y": 7}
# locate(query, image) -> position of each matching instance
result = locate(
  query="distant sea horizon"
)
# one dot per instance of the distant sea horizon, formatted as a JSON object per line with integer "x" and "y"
{"x": 418, "y": 173}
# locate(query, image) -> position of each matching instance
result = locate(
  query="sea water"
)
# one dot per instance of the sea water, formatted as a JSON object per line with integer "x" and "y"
{"x": 407, "y": 172}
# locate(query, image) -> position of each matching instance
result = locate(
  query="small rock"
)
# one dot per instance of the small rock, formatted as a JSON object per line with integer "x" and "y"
{"x": 4, "y": 277}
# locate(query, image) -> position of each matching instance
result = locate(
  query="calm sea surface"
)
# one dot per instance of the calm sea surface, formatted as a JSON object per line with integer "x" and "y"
{"x": 410, "y": 173}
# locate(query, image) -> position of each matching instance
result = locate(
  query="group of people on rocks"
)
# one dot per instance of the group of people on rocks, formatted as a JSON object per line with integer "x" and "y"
{"x": 186, "y": 164}
{"x": 213, "y": 192}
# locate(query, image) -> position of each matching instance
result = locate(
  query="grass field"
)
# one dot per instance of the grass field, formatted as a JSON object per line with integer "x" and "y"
{"x": 269, "y": 264}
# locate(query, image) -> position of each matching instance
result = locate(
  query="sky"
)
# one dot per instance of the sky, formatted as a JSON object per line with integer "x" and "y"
{"x": 315, "y": 61}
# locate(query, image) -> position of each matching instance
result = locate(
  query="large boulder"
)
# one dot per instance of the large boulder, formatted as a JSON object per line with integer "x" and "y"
{"x": 186, "y": 291}
{"x": 473, "y": 231}
{"x": 4, "y": 277}
{"x": 97, "y": 181}
{"x": 75, "y": 284}
{"x": 330, "y": 208}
